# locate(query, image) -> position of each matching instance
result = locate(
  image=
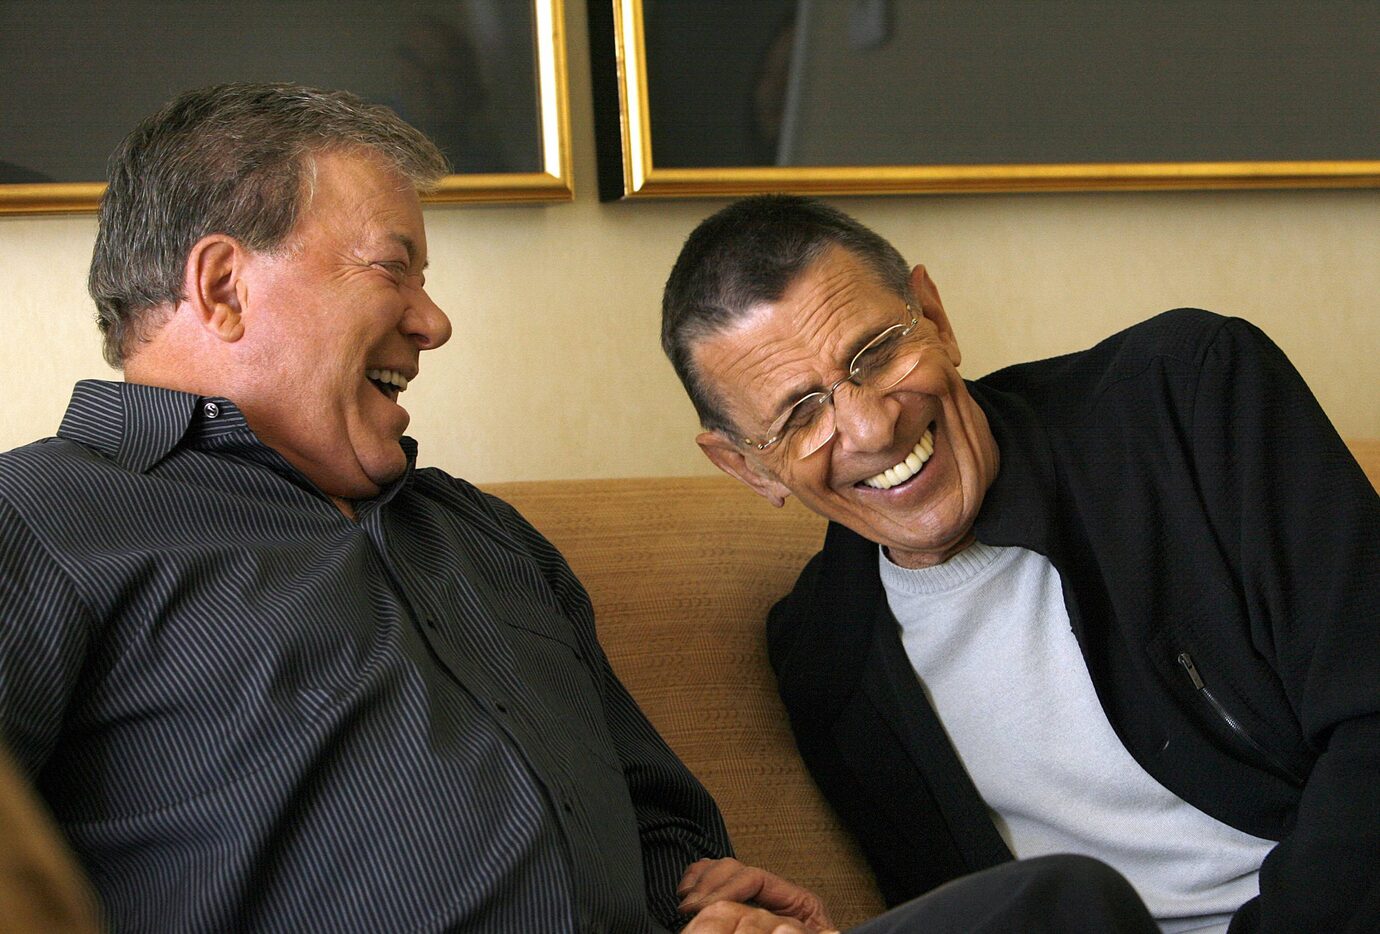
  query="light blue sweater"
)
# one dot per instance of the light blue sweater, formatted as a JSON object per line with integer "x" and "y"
{"x": 990, "y": 638}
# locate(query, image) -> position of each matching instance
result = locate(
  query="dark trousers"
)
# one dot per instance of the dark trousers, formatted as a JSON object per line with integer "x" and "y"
{"x": 1046, "y": 895}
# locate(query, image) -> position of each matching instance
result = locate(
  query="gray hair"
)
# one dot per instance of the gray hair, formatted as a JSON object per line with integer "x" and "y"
{"x": 233, "y": 159}
{"x": 746, "y": 255}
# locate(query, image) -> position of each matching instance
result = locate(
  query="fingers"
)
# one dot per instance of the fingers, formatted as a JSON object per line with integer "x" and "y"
{"x": 733, "y": 918}
{"x": 711, "y": 880}
{"x": 694, "y": 872}
{"x": 787, "y": 898}
{"x": 728, "y": 880}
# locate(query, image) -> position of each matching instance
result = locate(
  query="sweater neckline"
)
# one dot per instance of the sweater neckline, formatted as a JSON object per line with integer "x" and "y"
{"x": 965, "y": 568}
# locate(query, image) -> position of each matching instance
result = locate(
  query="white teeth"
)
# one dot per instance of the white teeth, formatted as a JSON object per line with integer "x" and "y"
{"x": 908, "y": 468}
{"x": 391, "y": 377}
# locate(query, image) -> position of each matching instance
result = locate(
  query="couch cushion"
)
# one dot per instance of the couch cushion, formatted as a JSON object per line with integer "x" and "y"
{"x": 681, "y": 573}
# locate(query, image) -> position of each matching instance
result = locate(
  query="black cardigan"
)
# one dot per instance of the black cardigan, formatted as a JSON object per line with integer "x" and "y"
{"x": 1202, "y": 513}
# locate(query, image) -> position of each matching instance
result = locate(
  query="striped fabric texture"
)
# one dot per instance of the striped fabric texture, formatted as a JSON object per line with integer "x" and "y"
{"x": 248, "y": 712}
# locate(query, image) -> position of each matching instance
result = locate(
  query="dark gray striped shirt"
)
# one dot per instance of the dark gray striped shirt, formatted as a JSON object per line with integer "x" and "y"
{"x": 248, "y": 712}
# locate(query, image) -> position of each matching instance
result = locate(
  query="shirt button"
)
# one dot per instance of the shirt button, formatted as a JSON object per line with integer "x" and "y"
{"x": 211, "y": 409}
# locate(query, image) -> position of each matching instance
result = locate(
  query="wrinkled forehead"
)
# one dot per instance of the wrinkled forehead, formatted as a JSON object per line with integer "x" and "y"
{"x": 773, "y": 352}
{"x": 359, "y": 195}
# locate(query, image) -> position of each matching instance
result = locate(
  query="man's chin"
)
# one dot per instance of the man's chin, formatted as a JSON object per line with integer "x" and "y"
{"x": 362, "y": 471}
{"x": 382, "y": 469}
{"x": 924, "y": 531}
{"x": 926, "y": 539}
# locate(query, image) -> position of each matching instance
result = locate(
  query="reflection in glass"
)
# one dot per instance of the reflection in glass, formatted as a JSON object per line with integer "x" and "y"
{"x": 76, "y": 75}
{"x": 910, "y": 82}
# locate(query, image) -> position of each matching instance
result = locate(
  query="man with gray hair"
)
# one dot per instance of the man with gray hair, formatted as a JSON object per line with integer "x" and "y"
{"x": 1121, "y": 603}
{"x": 266, "y": 672}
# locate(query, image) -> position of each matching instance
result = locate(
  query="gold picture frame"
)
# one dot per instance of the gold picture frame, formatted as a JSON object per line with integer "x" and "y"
{"x": 550, "y": 182}
{"x": 629, "y": 168}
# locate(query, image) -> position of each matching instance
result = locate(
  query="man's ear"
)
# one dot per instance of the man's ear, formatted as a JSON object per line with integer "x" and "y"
{"x": 927, "y": 293}
{"x": 727, "y": 457}
{"x": 214, "y": 286}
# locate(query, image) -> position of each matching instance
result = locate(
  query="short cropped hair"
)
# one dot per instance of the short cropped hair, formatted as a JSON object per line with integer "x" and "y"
{"x": 234, "y": 159}
{"x": 746, "y": 255}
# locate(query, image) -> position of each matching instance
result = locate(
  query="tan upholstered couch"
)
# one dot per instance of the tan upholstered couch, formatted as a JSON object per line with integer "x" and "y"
{"x": 681, "y": 572}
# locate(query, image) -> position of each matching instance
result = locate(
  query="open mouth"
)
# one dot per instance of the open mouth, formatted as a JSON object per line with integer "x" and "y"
{"x": 907, "y": 469}
{"x": 388, "y": 382}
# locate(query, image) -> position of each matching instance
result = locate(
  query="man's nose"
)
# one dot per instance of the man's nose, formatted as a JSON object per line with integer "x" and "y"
{"x": 425, "y": 323}
{"x": 864, "y": 420}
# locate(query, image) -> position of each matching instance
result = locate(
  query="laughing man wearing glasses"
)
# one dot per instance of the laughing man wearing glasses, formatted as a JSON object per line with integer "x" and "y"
{"x": 1120, "y": 603}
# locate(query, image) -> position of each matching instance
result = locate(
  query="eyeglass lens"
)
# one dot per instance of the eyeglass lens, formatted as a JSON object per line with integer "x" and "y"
{"x": 811, "y": 424}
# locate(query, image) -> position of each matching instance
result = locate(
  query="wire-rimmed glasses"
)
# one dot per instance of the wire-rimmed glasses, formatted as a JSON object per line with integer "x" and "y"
{"x": 809, "y": 423}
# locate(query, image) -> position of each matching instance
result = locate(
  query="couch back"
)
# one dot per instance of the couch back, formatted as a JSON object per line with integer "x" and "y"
{"x": 681, "y": 572}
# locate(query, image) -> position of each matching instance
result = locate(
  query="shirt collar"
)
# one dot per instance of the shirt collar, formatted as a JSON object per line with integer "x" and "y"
{"x": 137, "y": 426}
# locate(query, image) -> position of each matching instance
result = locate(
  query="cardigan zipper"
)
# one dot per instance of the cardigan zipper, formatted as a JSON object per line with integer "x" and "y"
{"x": 1186, "y": 661}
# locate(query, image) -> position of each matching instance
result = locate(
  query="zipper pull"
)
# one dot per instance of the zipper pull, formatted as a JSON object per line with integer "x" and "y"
{"x": 1187, "y": 661}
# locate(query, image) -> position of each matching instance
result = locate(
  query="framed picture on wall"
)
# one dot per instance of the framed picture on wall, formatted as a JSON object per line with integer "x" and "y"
{"x": 486, "y": 79}
{"x": 721, "y": 97}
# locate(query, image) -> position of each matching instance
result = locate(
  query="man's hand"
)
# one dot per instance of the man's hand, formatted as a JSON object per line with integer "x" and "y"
{"x": 717, "y": 891}
{"x": 735, "y": 918}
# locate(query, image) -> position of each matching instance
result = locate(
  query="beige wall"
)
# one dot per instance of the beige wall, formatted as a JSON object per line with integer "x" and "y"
{"x": 554, "y": 369}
